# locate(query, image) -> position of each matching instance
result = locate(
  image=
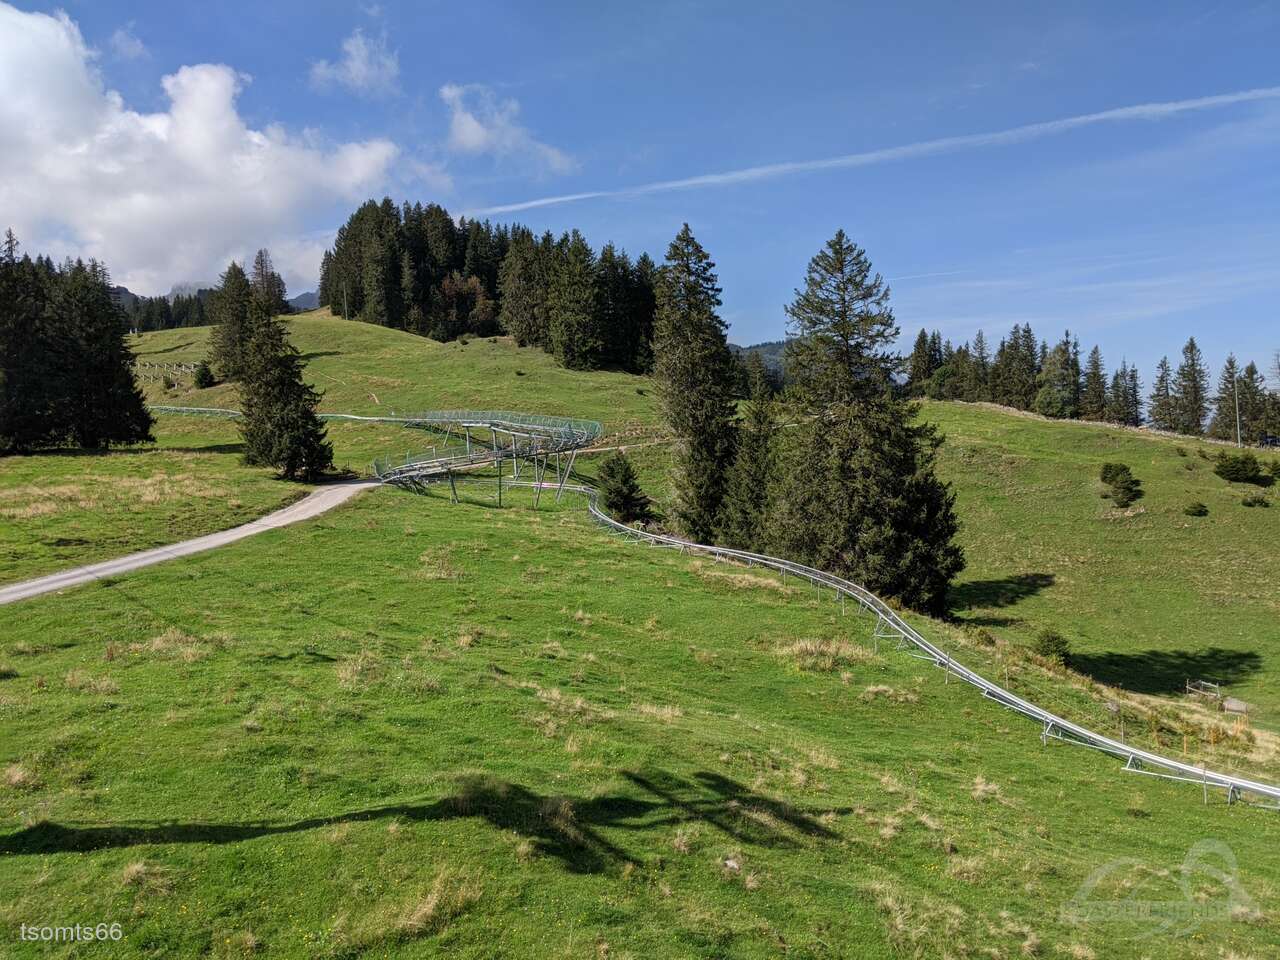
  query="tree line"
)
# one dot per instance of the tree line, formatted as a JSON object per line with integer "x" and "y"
{"x": 412, "y": 267}
{"x": 145, "y": 314}
{"x": 1050, "y": 379}
{"x": 66, "y": 371}
{"x": 850, "y": 485}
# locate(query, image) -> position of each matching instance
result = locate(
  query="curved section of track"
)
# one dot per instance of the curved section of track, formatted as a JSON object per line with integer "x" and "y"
{"x": 519, "y": 437}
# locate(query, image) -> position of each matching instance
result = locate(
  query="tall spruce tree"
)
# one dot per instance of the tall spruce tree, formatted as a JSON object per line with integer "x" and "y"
{"x": 29, "y": 384}
{"x": 857, "y": 493}
{"x": 920, "y": 364}
{"x": 841, "y": 329}
{"x": 229, "y": 311}
{"x": 1253, "y": 404}
{"x": 1163, "y": 415}
{"x": 1093, "y": 398}
{"x": 752, "y": 474}
{"x": 573, "y": 307}
{"x": 1191, "y": 391}
{"x": 978, "y": 375}
{"x": 267, "y": 285}
{"x": 1058, "y": 383}
{"x": 101, "y": 402}
{"x": 280, "y": 428}
{"x": 523, "y": 292}
{"x": 1226, "y": 403}
{"x": 693, "y": 370}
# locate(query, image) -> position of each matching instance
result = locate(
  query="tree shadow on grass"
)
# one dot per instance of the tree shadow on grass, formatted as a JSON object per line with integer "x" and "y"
{"x": 1004, "y": 592}
{"x": 1167, "y": 671}
{"x": 563, "y": 827}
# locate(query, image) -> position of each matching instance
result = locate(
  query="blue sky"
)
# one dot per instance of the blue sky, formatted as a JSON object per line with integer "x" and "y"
{"x": 1134, "y": 229}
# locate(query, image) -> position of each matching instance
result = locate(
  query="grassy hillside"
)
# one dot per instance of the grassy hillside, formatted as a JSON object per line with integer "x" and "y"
{"x": 1148, "y": 596}
{"x": 416, "y": 729}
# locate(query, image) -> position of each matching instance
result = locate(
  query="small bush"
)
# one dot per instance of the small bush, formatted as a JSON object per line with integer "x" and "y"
{"x": 1273, "y": 469}
{"x": 1180, "y": 451}
{"x": 1196, "y": 509}
{"x": 1242, "y": 468}
{"x": 1122, "y": 486}
{"x": 1256, "y": 500}
{"x": 169, "y": 382}
{"x": 204, "y": 378}
{"x": 1052, "y": 645}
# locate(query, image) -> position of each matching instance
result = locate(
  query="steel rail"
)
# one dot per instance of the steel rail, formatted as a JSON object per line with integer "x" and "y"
{"x": 552, "y": 435}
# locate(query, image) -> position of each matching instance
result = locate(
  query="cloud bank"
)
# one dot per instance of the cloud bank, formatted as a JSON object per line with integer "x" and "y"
{"x": 911, "y": 151}
{"x": 159, "y": 197}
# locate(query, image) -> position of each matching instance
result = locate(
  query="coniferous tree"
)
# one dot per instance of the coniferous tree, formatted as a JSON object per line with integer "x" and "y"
{"x": 841, "y": 328}
{"x": 977, "y": 385}
{"x": 620, "y": 492}
{"x": 1093, "y": 398}
{"x": 1253, "y": 404}
{"x": 693, "y": 370}
{"x": 857, "y": 493}
{"x": 613, "y": 301}
{"x": 229, "y": 311}
{"x": 1226, "y": 424}
{"x": 1058, "y": 383}
{"x": 1163, "y": 416}
{"x": 280, "y": 427}
{"x": 573, "y": 307}
{"x": 1133, "y": 398}
{"x": 920, "y": 366}
{"x": 1191, "y": 391}
{"x": 523, "y": 292}
{"x": 641, "y": 306}
{"x": 100, "y": 401}
{"x": 29, "y": 386}
{"x": 267, "y": 285}
{"x": 752, "y": 474}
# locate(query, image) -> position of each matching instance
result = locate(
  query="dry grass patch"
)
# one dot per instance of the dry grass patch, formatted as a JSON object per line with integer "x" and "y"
{"x": 982, "y": 790}
{"x": 147, "y": 877}
{"x": 451, "y": 894}
{"x": 437, "y": 564}
{"x": 18, "y": 777}
{"x": 173, "y": 644}
{"x": 83, "y": 682}
{"x": 882, "y": 692}
{"x": 665, "y": 713}
{"x": 824, "y": 656}
{"x": 359, "y": 671}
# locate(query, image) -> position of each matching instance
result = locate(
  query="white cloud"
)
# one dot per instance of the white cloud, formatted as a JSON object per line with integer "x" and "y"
{"x": 159, "y": 197}
{"x": 434, "y": 175}
{"x": 126, "y": 46}
{"x": 910, "y": 151}
{"x": 481, "y": 123}
{"x": 367, "y": 67}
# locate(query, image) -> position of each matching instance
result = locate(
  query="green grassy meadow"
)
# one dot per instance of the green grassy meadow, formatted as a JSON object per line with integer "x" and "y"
{"x": 411, "y": 728}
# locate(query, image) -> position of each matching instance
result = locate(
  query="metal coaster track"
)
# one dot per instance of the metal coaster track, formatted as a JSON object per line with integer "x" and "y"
{"x": 535, "y": 438}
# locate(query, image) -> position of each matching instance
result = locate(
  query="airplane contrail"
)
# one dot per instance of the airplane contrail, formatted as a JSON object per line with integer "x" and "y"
{"x": 924, "y": 148}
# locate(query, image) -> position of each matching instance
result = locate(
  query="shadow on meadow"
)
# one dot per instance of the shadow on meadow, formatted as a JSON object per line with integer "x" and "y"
{"x": 563, "y": 827}
{"x": 1004, "y": 592}
{"x": 1166, "y": 671}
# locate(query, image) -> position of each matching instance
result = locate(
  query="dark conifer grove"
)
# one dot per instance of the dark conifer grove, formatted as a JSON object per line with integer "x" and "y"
{"x": 415, "y": 268}
{"x": 66, "y": 372}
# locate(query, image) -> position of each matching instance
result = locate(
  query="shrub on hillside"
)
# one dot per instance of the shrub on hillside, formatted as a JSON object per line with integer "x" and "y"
{"x": 1256, "y": 500}
{"x": 1122, "y": 486}
{"x": 620, "y": 492}
{"x": 204, "y": 376}
{"x": 1242, "y": 468}
{"x": 1196, "y": 509}
{"x": 1052, "y": 645}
